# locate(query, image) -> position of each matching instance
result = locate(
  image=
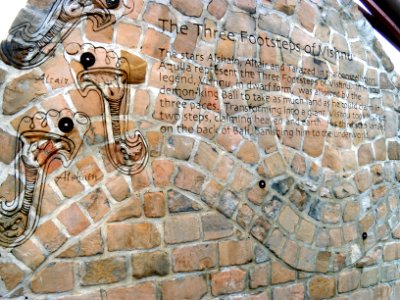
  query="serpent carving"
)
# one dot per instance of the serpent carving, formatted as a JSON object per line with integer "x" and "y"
{"x": 111, "y": 75}
{"x": 28, "y": 46}
{"x": 42, "y": 138}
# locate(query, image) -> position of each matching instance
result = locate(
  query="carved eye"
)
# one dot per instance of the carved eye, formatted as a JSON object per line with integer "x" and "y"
{"x": 111, "y": 4}
{"x": 262, "y": 184}
{"x": 65, "y": 124}
{"x": 88, "y": 60}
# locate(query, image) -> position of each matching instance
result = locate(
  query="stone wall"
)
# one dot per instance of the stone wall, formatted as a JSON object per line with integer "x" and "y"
{"x": 224, "y": 149}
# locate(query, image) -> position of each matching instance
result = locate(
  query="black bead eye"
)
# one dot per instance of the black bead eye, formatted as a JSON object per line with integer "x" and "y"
{"x": 111, "y": 4}
{"x": 65, "y": 124}
{"x": 364, "y": 235}
{"x": 87, "y": 60}
{"x": 262, "y": 184}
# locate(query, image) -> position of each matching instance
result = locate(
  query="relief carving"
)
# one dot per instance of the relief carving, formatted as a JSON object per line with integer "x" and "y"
{"x": 103, "y": 70}
{"x": 42, "y": 139}
{"x": 27, "y": 47}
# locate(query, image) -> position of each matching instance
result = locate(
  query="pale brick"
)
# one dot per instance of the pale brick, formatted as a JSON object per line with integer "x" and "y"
{"x": 181, "y": 229}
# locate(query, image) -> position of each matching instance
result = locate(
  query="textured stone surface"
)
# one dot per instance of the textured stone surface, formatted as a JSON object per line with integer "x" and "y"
{"x": 277, "y": 180}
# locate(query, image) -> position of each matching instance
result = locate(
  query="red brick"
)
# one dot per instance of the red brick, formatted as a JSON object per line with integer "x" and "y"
{"x": 69, "y": 185}
{"x": 89, "y": 170}
{"x": 259, "y": 275}
{"x": 96, "y": 204}
{"x": 235, "y": 252}
{"x": 218, "y": 8}
{"x": 154, "y": 40}
{"x": 142, "y": 291}
{"x": 73, "y": 219}
{"x": 292, "y": 292}
{"x": 128, "y": 35}
{"x": 189, "y": 179}
{"x": 195, "y": 258}
{"x": 102, "y": 271}
{"x": 192, "y": 9}
{"x": 131, "y": 208}
{"x": 90, "y": 245}
{"x": 132, "y": 236}
{"x": 154, "y": 205}
{"x": 11, "y": 275}
{"x": 50, "y": 236}
{"x": 228, "y": 281}
{"x": 29, "y": 254}
{"x": 162, "y": 172}
{"x": 188, "y": 287}
{"x": 281, "y": 274}
{"x": 7, "y": 154}
{"x": 55, "y": 278}
{"x": 118, "y": 187}
{"x": 150, "y": 264}
{"x": 140, "y": 180}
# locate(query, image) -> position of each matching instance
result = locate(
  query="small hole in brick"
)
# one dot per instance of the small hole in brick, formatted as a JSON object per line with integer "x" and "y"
{"x": 262, "y": 184}
{"x": 87, "y": 60}
{"x": 112, "y": 4}
{"x": 66, "y": 125}
{"x": 364, "y": 235}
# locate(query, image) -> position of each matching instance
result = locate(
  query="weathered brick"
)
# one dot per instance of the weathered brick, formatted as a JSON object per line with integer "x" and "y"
{"x": 228, "y": 203}
{"x": 275, "y": 165}
{"x": 369, "y": 276}
{"x": 235, "y": 252}
{"x": 260, "y": 275}
{"x": 132, "y": 236}
{"x": 228, "y": 281}
{"x": 103, "y": 271}
{"x": 21, "y": 91}
{"x": 244, "y": 216}
{"x": 178, "y": 202}
{"x": 206, "y": 156}
{"x": 131, "y": 208}
{"x": 292, "y": 292}
{"x": 118, "y": 187}
{"x": 87, "y": 246}
{"x": 162, "y": 172}
{"x": 321, "y": 287}
{"x": 144, "y": 290}
{"x": 55, "y": 278}
{"x": 179, "y": 229}
{"x": 69, "y": 184}
{"x": 215, "y": 226}
{"x": 195, "y": 258}
{"x": 154, "y": 205}
{"x": 73, "y": 219}
{"x": 7, "y": 155}
{"x": 149, "y": 264}
{"x": 50, "y": 236}
{"x": 178, "y": 147}
{"x": 89, "y": 170}
{"x": 281, "y": 273}
{"x": 288, "y": 219}
{"x": 260, "y": 229}
{"x": 30, "y": 254}
{"x": 348, "y": 281}
{"x": 11, "y": 275}
{"x": 189, "y": 179}
{"x": 128, "y": 35}
{"x": 96, "y": 204}
{"x": 188, "y": 287}
{"x": 191, "y": 9}
{"x": 286, "y": 6}
{"x": 218, "y": 8}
